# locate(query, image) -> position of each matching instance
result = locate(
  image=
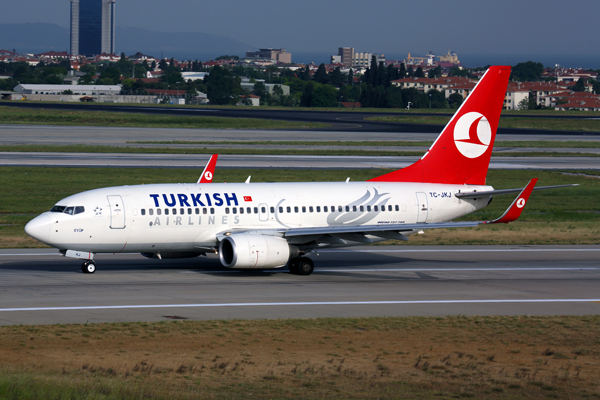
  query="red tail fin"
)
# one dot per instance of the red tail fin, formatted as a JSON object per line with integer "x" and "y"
{"x": 461, "y": 154}
{"x": 209, "y": 170}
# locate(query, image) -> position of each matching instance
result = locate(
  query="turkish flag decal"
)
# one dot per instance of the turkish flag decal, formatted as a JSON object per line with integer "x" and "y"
{"x": 247, "y": 198}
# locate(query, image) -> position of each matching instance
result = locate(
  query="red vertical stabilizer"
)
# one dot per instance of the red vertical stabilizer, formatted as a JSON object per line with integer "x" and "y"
{"x": 461, "y": 154}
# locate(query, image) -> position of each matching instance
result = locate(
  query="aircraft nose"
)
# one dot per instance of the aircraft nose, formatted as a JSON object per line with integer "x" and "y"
{"x": 39, "y": 228}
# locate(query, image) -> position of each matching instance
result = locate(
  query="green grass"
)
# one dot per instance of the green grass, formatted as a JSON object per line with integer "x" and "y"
{"x": 28, "y": 191}
{"x": 11, "y": 115}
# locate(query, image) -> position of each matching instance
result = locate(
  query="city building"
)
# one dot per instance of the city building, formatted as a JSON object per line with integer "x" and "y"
{"x": 275, "y": 55}
{"x": 92, "y": 27}
{"x": 345, "y": 56}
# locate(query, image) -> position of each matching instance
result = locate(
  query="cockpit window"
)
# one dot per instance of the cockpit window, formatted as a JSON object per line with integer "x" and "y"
{"x": 79, "y": 210}
{"x": 58, "y": 209}
{"x": 69, "y": 210}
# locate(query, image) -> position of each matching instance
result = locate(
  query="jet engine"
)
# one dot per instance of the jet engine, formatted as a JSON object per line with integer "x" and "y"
{"x": 254, "y": 251}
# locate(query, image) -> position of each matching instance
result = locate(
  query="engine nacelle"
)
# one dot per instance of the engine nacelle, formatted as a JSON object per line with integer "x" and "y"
{"x": 253, "y": 251}
{"x": 170, "y": 254}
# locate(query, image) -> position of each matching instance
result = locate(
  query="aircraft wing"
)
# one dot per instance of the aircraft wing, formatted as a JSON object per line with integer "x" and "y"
{"x": 394, "y": 231}
{"x": 489, "y": 193}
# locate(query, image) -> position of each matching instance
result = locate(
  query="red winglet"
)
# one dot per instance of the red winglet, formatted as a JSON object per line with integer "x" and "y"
{"x": 209, "y": 170}
{"x": 516, "y": 208}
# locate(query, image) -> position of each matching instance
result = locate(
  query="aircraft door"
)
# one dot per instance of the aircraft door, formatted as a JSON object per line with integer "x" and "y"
{"x": 422, "y": 207}
{"x": 263, "y": 212}
{"x": 117, "y": 212}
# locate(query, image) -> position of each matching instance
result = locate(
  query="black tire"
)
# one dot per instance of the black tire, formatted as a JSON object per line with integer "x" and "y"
{"x": 294, "y": 265}
{"x": 306, "y": 266}
{"x": 88, "y": 267}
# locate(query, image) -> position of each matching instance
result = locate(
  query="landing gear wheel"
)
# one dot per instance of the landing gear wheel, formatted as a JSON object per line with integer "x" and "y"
{"x": 88, "y": 267}
{"x": 306, "y": 266}
{"x": 293, "y": 265}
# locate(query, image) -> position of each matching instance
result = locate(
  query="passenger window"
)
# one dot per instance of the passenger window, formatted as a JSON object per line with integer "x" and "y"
{"x": 340, "y": 209}
{"x": 212, "y": 210}
{"x": 181, "y": 211}
{"x": 241, "y": 210}
{"x": 362, "y": 208}
{"x": 69, "y": 210}
{"x": 189, "y": 211}
{"x": 296, "y": 209}
{"x": 248, "y": 210}
{"x": 255, "y": 210}
{"x": 272, "y": 210}
{"x": 204, "y": 211}
{"x": 389, "y": 208}
{"x": 318, "y": 208}
{"x": 397, "y": 208}
{"x": 150, "y": 211}
{"x": 143, "y": 211}
{"x": 289, "y": 209}
{"x": 79, "y": 210}
{"x": 234, "y": 209}
{"x": 347, "y": 208}
{"x": 166, "y": 211}
{"x": 158, "y": 211}
{"x": 303, "y": 209}
{"x": 353, "y": 208}
{"x": 310, "y": 209}
{"x": 197, "y": 211}
{"x": 263, "y": 209}
{"x": 226, "y": 210}
{"x": 369, "y": 208}
{"x": 375, "y": 208}
{"x": 324, "y": 208}
{"x": 280, "y": 210}
{"x": 174, "y": 211}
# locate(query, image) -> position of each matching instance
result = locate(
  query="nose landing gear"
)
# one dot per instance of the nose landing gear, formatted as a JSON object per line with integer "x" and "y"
{"x": 88, "y": 267}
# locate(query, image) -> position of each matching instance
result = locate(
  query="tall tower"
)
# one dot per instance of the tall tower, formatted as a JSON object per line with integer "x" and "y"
{"x": 92, "y": 27}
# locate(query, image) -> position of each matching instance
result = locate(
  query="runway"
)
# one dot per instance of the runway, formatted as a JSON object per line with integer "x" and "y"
{"x": 40, "y": 287}
{"x": 198, "y": 161}
{"x": 111, "y": 136}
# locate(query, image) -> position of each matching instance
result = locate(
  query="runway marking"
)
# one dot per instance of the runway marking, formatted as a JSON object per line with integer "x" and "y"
{"x": 456, "y": 250}
{"x": 283, "y": 270}
{"x": 308, "y": 303}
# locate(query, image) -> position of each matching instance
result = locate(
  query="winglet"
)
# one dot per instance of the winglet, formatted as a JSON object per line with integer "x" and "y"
{"x": 209, "y": 170}
{"x": 516, "y": 208}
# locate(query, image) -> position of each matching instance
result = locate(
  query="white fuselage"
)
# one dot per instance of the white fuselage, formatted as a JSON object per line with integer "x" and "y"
{"x": 189, "y": 217}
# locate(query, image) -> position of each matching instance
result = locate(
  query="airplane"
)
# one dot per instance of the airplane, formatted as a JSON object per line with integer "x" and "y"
{"x": 271, "y": 225}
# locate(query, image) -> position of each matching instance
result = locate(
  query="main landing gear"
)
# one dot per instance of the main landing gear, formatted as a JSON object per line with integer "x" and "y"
{"x": 301, "y": 266}
{"x": 88, "y": 267}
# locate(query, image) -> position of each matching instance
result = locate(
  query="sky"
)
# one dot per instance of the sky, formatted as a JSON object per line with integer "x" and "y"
{"x": 522, "y": 27}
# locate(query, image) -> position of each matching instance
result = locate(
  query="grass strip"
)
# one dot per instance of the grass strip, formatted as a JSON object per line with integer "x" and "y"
{"x": 29, "y": 116}
{"x": 561, "y": 216}
{"x": 495, "y": 357}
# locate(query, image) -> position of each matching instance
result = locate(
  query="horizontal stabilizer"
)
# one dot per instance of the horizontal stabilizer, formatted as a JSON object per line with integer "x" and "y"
{"x": 490, "y": 193}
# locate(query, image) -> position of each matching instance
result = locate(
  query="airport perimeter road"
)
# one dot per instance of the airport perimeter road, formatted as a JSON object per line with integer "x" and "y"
{"x": 198, "y": 161}
{"x": 40, "y": 287}
{"x": 111, "y": 136}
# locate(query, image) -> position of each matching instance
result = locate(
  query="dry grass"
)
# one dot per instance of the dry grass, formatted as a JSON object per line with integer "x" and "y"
{"x": 480, "y": 357}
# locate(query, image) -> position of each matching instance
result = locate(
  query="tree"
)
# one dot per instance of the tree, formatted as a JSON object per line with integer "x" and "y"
{"x": 435, "y": 72}
{"x": 527, "y": 72}
{"x": 381, "y": 75}
{"x": 324, "y": 96}
{"x": 579, "y": 85}
{"x": 351, "y": 77}
{"x": 306, "y": 74}
{"x": 393, "y": 97}
{"x": 260, "y": 90}
{"x": 307, "y": 95}
{"x": 336, "y": 77}
{"x": 221, "y": 88}
{"x": 321, "y": 75}
{"x": 373, "y": 72}
{"x": 419, "y": 73}
{"x": 402, "y": 73}
{"x": 457, "y": 71}
{"x": 162, "y": 64}
{"x": 455, "y": 100}
{"x": 410, "y": 72}
{"x": 110, "y": 76}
